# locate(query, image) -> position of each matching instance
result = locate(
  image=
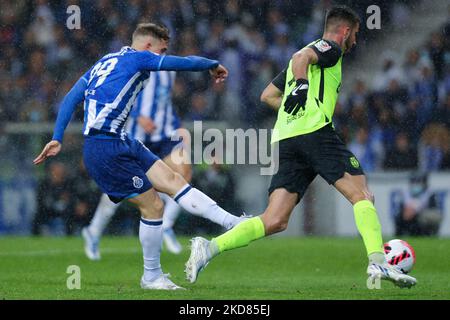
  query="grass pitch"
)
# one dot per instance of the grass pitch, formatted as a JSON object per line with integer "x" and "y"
{"x": 273, "y": 268}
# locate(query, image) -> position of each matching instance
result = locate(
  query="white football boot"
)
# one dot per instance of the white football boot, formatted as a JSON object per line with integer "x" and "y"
{"x": 171, "y": 242}
{"x": 90, "y": 245}
{"x": 161, "y": 283}
{"x": 199, "y": 258}
{"x": 391, "y": 273}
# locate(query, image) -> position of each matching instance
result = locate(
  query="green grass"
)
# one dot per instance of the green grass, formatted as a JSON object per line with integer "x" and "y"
{"x": 273, "y": 268}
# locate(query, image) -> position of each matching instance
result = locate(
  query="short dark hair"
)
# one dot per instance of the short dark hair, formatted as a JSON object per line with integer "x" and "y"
{"x": 341, "y": 13}
{"x": 159, "y": 31}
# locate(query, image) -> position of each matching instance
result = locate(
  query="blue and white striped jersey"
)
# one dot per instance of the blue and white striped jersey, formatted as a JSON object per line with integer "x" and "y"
{"x": 155, "y": 102}
{"x": 113, "y": 84}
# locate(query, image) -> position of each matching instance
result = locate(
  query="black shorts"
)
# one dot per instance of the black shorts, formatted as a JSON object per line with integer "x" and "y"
{"x": 302, "y": 158}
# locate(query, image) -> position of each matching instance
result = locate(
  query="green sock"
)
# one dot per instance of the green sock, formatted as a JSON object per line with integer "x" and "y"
{"x": 368, "y": 226}
{"x": 240, "y": 236}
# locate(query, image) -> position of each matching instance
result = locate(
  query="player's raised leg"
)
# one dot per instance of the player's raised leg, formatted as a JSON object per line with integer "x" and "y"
{"x": 150, "y": 236}
{"x": 190, "y": 199}
{"x": 274, "y": 219}
{"x": 354, "y": 188}
{"x": 93, "y": 232}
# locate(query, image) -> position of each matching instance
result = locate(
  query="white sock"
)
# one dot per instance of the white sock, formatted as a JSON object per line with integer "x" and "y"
{"x": 103, "y": 214}
{"x": 199, "y": 204}
{"x": 171, "y": 211}
{"x": 150, "y": 235}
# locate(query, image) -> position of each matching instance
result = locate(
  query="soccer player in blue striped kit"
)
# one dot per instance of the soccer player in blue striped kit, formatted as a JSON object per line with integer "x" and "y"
{"x": 122, "y": 167}
{"x": 154, "y": 121}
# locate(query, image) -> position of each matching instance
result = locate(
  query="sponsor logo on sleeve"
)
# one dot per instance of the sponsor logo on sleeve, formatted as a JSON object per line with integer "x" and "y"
{"x": 322, "y": 46}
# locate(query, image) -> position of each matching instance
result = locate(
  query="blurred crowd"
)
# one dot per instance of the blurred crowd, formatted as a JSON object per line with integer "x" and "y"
{"x": 40, "y": 58}
{"x": 402, "y": 121}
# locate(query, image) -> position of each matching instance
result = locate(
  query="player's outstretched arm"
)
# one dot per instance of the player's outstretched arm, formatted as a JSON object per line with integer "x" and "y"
{"x": 68, "y": 105}
{"x": 153, "y": 62}
{"x": 195, "y": 63}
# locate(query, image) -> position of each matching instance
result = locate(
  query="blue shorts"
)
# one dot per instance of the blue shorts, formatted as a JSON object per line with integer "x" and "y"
{"x": 118, "y": 166}
{"x": 164, "y": 147}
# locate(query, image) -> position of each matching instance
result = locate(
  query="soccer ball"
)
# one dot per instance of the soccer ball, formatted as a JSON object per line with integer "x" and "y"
{"x": 400, "y": 253}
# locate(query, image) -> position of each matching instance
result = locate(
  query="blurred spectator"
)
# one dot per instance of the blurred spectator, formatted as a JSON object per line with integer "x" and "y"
{"x": 215, "y": 39}
{"x": 402, "y": 156}
{"x": 121, "y": 38}
{"x": 263, "y": 72}
{"x": 401, "y": 14}
{"x": 34, "y": 111}
{"x": 396, "y": 97}
{"x": 410, "y": 122}
{"x": 412, "y": 67}
{"x": 86, "y": 197}
{"x": 314, "y": 27}
{"x": 180, "y": 97}
{"x": 232, "y": 58}
{"x": 445, "y": 163}
{"x": 11, "y": 15}
{"x": 60, "y": 52}
{"x": 199, "y": 108}
{"x": 40, "y": 31}
{"x": 425, "y": 90}
{"x": 433, "y": 147}
{"x": 55, "y": 201}
{"x": 358, "y": 117}
{"x": 281, "y": 50}
{"x": 418, "y": 212}
{"x": 437, "y": 52}
{"x": 366, "y": 150}
{"x": 388, "y": 72}
{"x": 216, "y": 99}
{"x": 132, "y": 10}
{"x": 359, "y": 94}
{"x": 231, "y": 10}
{"x": 442, "y": 114}
{"x": 340, "y": 121}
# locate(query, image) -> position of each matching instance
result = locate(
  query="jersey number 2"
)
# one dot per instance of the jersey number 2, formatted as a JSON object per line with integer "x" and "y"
{"x": 102, "y": 70}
